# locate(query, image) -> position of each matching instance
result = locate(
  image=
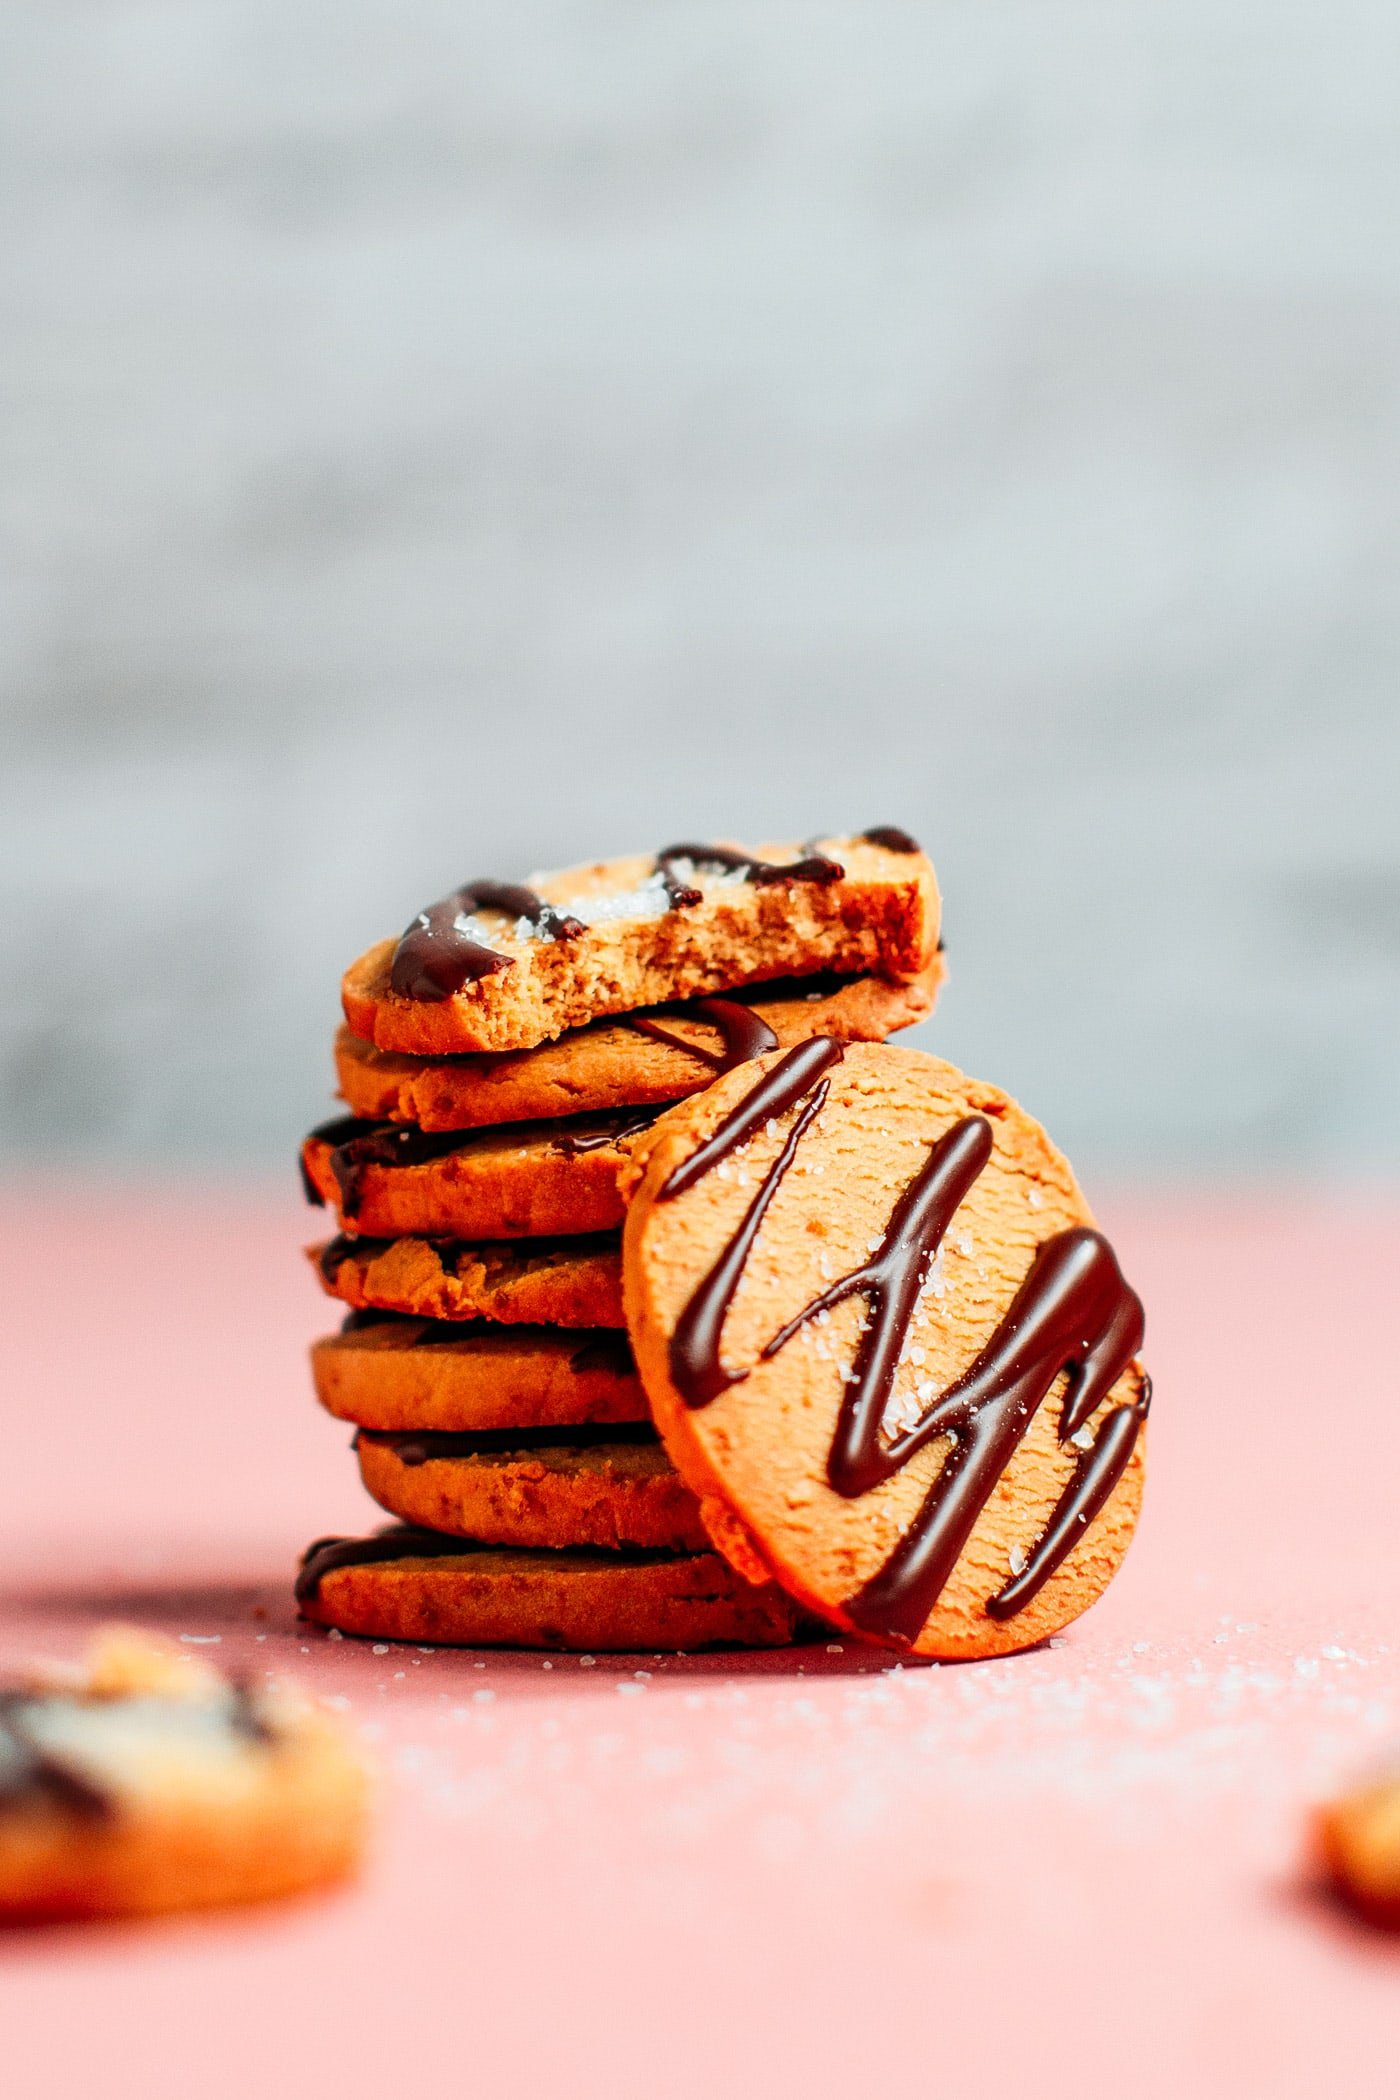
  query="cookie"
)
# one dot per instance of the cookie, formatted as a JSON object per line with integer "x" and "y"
{"x": 622, "y": 1063}
{"x": 151, "y": 1783}
{"x": 1357, "y": 1841}
{"x": 528, "y": 1180}
{"x": 561, "y": 1283}
{"x": 394, "y": 1373}
{"x": 409, "y": 1585}
{"x": 498, "y": 966}
{"x": 613, "y": 1486}
{"x": 885, "y": 1345}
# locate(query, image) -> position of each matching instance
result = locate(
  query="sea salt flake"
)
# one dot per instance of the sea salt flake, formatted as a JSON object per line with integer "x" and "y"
{"x": 1016, "y": 1561}
{"x": 1083, "y": 1439}
{"x": 379, "y": 1648}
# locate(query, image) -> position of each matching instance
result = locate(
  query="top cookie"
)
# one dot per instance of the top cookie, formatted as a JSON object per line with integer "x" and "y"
{"x": 501, "y": 967}
{"x": 885, "y": 1345}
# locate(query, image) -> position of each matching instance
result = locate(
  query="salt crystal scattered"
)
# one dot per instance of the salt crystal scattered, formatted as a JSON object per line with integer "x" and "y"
{"x": 202, "y": 1640}
{"x": 834, "y": 1648}
{"x": 587, "y": 1662}
{"x": 1083, "y": 1439}
{"x": 379, "y": 1648}
{"x": 483, "y": 1695}
{"x": 1016, "y": 1560}
{"x": 335, "y": 1634}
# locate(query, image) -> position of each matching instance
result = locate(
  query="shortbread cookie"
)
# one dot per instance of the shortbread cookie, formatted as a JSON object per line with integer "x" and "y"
{"x": 408, "y": 1585}
{"x": 659, "y": 1055}
{"x": 148, "y": 1782}
{"x": 612, "y": 1486}
{"x": 529, "y": 1180}
{"x": 458, "y": 1375}
{"x": 498, "y": 966}
{"x": 855, "y": 1284}
{"x": 1358, "y": 1844}
{"x": 560, "y": 1283}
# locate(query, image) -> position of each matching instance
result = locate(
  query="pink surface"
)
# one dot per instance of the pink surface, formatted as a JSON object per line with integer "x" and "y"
{"x": 1073, "y": 1872}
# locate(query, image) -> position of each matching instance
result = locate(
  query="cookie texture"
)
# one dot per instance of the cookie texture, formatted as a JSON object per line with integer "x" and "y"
{"x": 628, "y": 1601}
{"x": 886, "y": 1348}
{"x": 150, "y": 1783}
{"x": 563, "y": 1283}
{"x": 517, "y": 1489}
{"x": 471, "y": 1375}
{"x": 616, "y": 935}
{"x": 614, "y": 1063}
{"x": 530, "y": 1180}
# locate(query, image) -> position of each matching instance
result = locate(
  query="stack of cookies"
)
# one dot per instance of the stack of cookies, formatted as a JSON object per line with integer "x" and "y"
{"x": 506, "y": 1065}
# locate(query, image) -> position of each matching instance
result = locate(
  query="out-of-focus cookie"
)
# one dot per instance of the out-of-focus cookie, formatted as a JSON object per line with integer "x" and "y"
{"x": 612, "y": 1486}
{"x": 886, "y": 1347}
{"x": 560, "y": 1283}
{"x": 148, "y": 1782}
{"x": 409, "y": 1585}
{"x": 529, "y": 1180}
{"x": 1357, "y": 1840}
{"x": 386, "y": 1372}
{"x": 647, "y": 1058}
{"x": 501, "y": 966}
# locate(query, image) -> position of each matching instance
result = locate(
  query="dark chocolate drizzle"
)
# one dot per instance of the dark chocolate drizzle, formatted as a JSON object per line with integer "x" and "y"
{"x": 436, "y": 956}
{"x": 743, "y": 1035}
{"x": 27, "y": 1771}
{"x": 1074, "y": 1313}
{"x": 574, "y": 1143}
{"x": 892, "y": 839}
{"x": 791, "y": 1078}
{"x": 814, "y": 867}
{"x": 357, "y": 1143}
{"x": 420, "y": 1447}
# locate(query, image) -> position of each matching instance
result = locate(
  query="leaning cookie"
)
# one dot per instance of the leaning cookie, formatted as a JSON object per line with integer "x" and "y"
{"x": 661, "y": 1054}
{"x": 561, "y": 1283}
{"x": 886, "y": 1347}
{"x": 151, "y": 1783}
{"x": 410, "y": 1585}
{"x": 387, "y": 1372}
{"x": 502, "y": 966}
{"x": 528, "y": 1180}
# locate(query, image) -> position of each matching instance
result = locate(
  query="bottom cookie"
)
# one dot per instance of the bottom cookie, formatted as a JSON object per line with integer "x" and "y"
{"x": 151, "y": 1783}
{"x": 410, "y": 1585}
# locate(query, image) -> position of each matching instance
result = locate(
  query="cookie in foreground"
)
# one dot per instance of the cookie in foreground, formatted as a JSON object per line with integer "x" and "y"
{"x": 503, "y": 966}
{"x": 148, "y": 1782}
{"x": 886, "y": 1346}
{"x": 406, "y": 1584}
{"x": 1357, "y": 1841}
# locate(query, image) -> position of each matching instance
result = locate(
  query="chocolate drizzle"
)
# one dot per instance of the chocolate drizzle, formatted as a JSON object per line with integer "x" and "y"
{"x": 743, "y": 1035}
{"x": 815, "y": 867}
{"x": 892, "y": 839}
{"x": 357, "y": 1143}
{"x": 437, "y": 955}
{"x": 27, "y": 1771}
{"x": 1073, "y": 1314}
{"x": 574, "y": 1143}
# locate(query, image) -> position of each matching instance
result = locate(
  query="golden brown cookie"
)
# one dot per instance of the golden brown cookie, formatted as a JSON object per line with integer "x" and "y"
{"x": 409, "y": 1585}
{"x": 528, "y": 1180}
{"x": 558, "y": 1283}
{"x": 500, "y": 966}
{"x": 884, "y": 1344}
{"x": 614, "y": 1486}
{"x": 1357, "y": 1839}
{"x": 148, "y": 1782}
{"x": 617, "y": 1064}
{"x": 386, "y": 1372}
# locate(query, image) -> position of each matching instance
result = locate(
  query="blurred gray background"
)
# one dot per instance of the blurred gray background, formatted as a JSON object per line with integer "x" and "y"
{"x": 454, "y": 438}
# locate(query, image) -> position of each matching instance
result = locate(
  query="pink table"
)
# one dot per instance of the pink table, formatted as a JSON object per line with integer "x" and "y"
{"x": 1074, "y": 1872}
